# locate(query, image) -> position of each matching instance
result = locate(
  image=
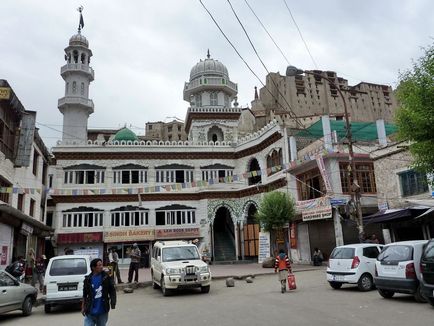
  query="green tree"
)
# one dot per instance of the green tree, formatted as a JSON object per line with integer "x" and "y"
{"x": 415, "y": 116}
{"x": 276, "y": 209}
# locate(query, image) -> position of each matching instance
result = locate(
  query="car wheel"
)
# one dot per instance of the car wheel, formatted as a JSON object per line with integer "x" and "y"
{"x": 431, "y": 301}
{"x": 204, "y": 289}
{"x": 47, "y": 308}
{"x": 27, "y": 306}
{"x": 335, "y": 285}
{"x": 164, "y": 290}
{"x": 365, "y": 282}
{"x": 418, "y": 296}
{"x": 387, "y": 294}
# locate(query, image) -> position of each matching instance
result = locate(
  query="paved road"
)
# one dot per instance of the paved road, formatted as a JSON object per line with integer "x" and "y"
{"x": 260, "y": 303}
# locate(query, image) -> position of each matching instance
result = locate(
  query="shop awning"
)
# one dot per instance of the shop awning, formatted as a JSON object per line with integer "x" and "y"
{"x": 16, "y": 218}
{"x": 390, "y": 215}
{"x": 428, "y": 213}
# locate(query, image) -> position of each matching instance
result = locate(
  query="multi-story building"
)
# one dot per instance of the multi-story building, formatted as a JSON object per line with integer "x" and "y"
{"x": 166, "y": 131}
{"x": 311, "y": 96}
{"x": 24, "y": 163}
{"x": 113, "y": 189}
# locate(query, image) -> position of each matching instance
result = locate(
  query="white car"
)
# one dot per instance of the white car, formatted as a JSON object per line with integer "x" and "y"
{"x": 64, "y": 280}
{"x": 398, "y": 269}
{"x": 15, "y": 295}
{"x": 353, "y": 264}
{"x": 178, "y": 265}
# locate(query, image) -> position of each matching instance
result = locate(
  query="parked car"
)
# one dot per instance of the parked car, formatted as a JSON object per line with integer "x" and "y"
{"x": 427, "y": 270}
{"x": 64, "y": 279}
{"x": 178, "y": 265}
{"x": 353, "y": 264}
{"x": 15, "y": 295}
{"x": 398, "y": 269}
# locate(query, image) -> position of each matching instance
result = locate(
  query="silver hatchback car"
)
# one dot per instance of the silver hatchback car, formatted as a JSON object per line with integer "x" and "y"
{"x": 15, "y": 295}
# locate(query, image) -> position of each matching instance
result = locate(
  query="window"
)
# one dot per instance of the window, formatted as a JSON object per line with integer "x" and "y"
{"x": 130, "y": 176}
{"x": 370, "y": 252}
{"x": 274, "y": 159}
{"x": 4, "y": 196}
{"x": 310, "y": 185}
{"x": 32, "y": 208}
{"x": 35, "y": 161}
{"x": 177, "y": 176}
{"x": 82, "y": 219}
{"x": 68, "y": 266}
{"x": 44, "y": 172}
{"x": 74, "y": 87}
{"x": 20, "y": 204}
{"x": 198, "y": 100}
{"x": 129, "y": 218}
{"x": 175, "y": 217}
{"x": 412, "y": 183}
{"x": 84, "y": 177}
{"x": 82, "y": 89}
{"x": 213, "y": 96}
{"x": 365, "y": 177}
{"x": 342, "y": 253}
{"x": 218, "y": 174}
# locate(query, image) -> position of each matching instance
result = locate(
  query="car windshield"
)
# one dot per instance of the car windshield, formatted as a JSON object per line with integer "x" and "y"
{"x": 342, "y": 253}
{"x": 429, "y": 251}
{"x": 70, "y": 266}
{"x": 396, "y": 253}
{"x": 180, "y": 253}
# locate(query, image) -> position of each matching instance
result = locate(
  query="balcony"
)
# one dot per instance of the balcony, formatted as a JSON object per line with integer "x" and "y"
{"x": 204, "y": 83}
{"x": 74, "y": 67}
{"x": 75, "y": 101}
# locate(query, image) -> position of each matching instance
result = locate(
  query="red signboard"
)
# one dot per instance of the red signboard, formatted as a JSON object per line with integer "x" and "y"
{"x": 69, "y": 238}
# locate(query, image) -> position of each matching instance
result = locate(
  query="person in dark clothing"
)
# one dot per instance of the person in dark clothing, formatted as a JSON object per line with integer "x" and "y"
{"x": 135, "y": 256}
{"x": 99, "y": 295}
{"x": 317, "y": 257}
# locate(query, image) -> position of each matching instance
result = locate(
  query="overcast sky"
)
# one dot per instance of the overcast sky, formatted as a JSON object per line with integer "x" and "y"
{"x": 143, "y": 50}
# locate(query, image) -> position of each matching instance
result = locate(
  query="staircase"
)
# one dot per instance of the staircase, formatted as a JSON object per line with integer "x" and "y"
{"x": 224, "y": 249}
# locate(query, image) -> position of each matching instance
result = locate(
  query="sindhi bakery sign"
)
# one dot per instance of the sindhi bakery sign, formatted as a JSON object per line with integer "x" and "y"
{"x": 129, "y": 235}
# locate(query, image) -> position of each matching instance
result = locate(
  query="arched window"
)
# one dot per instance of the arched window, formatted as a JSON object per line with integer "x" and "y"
{"x": 198, "y": 99}
{"x": 75, "y": 55}
{"x": 83, "y": 58}
{"x": 274, "y": 159}
{"x": 215, "y": 134}
{"x": 66, "y": 88}
{"x": 213, "y": 97}
{"x": 226, "y": 101}
{"x": 74, "y": 87}
{"x": 254, "y": 167}
{"x": 82, "y": 89}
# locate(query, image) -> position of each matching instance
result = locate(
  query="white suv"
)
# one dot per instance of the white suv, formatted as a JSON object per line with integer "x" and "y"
{"x": 354, "y": 264}
{"x": 178, "y": 265}
{"x": 398, "y": 269}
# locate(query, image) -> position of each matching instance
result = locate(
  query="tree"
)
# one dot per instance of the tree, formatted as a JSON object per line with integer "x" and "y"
{"x": 276, "y": 209}
{"x": 415, "y": 116}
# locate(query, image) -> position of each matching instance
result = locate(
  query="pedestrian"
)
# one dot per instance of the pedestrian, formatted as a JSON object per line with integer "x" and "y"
{"x": 38, "y": 273}
{"x": 99, "y": 295}
{"x": 135, "y": 255}
{"x": 114, "y": 263}
{"x": 68, "y": 251}
{"x": 30, "y": 268}
{"x": 282, "y": 264}
{"x": 317, "y": 257}
{"x": 146, "y": 257}
{"x": 17, "y": 269}
{"x": 374, "y": 239}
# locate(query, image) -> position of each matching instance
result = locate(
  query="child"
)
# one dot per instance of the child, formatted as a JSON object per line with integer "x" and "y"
{"x": 282, "y": 263}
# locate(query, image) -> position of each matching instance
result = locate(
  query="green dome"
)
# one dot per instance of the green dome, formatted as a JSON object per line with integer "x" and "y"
{"x": 125, "y": 134}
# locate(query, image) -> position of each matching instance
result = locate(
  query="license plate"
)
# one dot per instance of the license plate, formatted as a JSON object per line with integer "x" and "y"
{"x": 68, "y": 288}
{"x": 338, "y": 278}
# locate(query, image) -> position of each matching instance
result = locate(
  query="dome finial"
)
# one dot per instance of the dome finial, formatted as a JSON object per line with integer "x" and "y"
{"x": 256, "y": 93}
{"x": 208, "y": 55}
{"x": 81, "y": 22}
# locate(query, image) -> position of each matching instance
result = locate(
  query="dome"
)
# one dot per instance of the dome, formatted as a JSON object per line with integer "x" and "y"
{"x": 79, "y": 39}
{"x": 209, "y": 67}
{"x": 125, "y": 134}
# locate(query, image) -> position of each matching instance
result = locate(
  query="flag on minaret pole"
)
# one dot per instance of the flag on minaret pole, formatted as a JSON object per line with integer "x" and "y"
{"x": 81, "y": 20}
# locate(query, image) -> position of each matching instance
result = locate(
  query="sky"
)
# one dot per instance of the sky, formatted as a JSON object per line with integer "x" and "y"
{"x": 143, "y": 51}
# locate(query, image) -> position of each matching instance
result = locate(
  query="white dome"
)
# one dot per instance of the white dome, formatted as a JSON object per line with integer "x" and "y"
{"x": 79, "y": 39}
{"x": 209, "y": 67}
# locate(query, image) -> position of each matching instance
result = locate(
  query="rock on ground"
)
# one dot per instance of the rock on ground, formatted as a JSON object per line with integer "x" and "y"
{"x": 230, "y": 282}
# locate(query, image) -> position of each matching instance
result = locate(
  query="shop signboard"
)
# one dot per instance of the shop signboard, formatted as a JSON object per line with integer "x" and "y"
{"x": 177, "y": 233}
{"x": 129, "y": 235}
{"x": 315, "y": 209}
{"x": 5, "y": 93}
{"x": 264, "y": 246}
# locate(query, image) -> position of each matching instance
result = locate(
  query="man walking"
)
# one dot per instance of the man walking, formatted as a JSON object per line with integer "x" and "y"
{"x": 114, "y": 263}
{"x": 135, "y": 256}
{"x": 99, "y": 294}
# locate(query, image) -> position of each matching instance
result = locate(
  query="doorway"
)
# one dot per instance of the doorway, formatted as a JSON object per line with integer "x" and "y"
{"x": 224, "y": 236}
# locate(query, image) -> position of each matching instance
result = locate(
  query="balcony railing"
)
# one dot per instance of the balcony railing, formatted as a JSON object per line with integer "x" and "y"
{"x": 79, "y": 67}
{"x": 75, "y": 100}
{"x": 211, "y": 81}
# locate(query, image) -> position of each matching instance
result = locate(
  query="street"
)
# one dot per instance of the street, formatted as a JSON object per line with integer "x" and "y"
{"x": 259, "y": 303}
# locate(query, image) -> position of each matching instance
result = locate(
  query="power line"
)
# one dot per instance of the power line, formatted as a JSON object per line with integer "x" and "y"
{"x": 301, "y": 35}
{"x": 272, "y": 39}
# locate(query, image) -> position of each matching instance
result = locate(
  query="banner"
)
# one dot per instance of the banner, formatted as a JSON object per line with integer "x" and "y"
{"x": 322, "y": 170}
{"x": 315, "y": 209}
{"x": 264, "y": 246}
{"x": 177, "y": 233}
{"x": 129, "y": 235}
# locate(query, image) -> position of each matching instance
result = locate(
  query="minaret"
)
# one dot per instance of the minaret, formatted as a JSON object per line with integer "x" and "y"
{"x": 76, "y": 105}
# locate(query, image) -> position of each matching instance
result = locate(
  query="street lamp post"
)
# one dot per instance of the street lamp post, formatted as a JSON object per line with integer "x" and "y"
{"x": 355, "y": 188}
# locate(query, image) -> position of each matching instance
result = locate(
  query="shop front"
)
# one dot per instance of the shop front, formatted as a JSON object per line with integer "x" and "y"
{"x": 122, "y": 240}
{"x": 83, "y": 243}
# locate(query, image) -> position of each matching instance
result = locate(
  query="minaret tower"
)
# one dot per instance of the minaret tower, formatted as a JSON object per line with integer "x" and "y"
{"x": 76, "y": 105}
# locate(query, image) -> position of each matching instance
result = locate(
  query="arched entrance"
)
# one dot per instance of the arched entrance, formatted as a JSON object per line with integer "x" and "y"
{"x": 224, "y": 236}
{"x": 251, "y": 234}
{"x": 254, "y": 166}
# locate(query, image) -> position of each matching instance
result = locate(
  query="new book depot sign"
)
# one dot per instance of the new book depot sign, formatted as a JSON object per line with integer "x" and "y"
{"x": 315, "y": 209}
